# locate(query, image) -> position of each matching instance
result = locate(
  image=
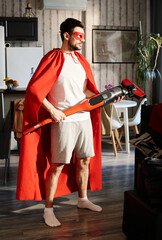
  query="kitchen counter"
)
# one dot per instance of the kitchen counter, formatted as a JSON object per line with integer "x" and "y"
{"x": 13, "y": 90}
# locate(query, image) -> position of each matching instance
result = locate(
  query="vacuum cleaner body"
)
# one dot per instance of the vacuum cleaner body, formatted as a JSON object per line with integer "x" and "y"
{"x": 106, "y": 97}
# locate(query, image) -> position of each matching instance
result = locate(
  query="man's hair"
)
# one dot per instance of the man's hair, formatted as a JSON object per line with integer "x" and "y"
{"x": 68, "y": 25}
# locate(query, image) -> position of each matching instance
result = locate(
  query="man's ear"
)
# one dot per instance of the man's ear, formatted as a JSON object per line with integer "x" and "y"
{"x": 66, "y": 36}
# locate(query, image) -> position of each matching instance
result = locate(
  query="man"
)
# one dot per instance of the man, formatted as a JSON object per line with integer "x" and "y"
{"x": 72, "y": 83}
{"x": 69, "y": 160}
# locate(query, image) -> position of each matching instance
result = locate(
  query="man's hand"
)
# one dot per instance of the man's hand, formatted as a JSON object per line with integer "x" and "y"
{"x": 55, "y": 113}
{"x": 119, "y": 99}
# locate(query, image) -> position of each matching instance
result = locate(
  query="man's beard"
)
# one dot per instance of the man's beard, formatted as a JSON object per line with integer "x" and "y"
{"x": 73, "y": 47}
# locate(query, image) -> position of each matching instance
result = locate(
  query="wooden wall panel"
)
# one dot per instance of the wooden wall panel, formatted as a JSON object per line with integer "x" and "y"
{"x": 136, "y": 13}
{"x": 40, "y": 28}
{"x": 46, "y": 31}
{"x": 54, "y": 29}
{"x": 123, "y": 20}
{"x": 117, "y": 13}
{"x": 100, "y": 14}
{"x": 8, "y": 8}
{"x": 103, "y": 14}
{"x": 16, "y": 8}
{"x": 130, "y": 9}
{"x": 110, "y": 12}
{"x": 142, "y": 16}
{"x": 88, "y": 30}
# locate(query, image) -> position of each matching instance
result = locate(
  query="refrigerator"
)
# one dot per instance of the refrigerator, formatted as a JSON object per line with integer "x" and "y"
{"x": 2, "y": 57}
{"x": 17, "y": 62}
{"x": 21, "y": 62}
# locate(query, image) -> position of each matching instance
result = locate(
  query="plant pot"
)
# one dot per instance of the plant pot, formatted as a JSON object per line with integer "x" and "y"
{"x": 9, "y": 86}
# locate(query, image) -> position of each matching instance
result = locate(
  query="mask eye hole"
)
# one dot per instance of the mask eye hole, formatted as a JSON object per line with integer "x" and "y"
{"x": 79, "y": 35}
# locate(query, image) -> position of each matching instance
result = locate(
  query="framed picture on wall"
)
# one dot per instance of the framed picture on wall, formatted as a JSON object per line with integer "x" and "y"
{"x": 113, "y": 46}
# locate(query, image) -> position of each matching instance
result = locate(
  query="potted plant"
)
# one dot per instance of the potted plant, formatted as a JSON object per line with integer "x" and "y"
{"x": 10, "y": 83}
{"x": 146, "y": 54}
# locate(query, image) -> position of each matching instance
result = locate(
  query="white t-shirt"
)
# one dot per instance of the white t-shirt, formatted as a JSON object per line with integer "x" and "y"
{"x": 68, "y": 88}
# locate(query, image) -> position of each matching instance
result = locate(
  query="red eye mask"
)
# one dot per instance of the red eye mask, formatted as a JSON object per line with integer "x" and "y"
{"x": 78, "y": 35}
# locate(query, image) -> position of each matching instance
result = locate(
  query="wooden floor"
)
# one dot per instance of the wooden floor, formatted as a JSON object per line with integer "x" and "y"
{"x": 22, "y": 220}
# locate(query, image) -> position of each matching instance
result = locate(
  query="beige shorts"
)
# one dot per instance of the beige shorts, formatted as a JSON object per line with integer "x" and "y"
{"x": 67, "y": 137}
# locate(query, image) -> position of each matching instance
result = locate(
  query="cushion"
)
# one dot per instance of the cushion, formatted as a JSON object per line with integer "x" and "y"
{"x": 145, "y": 143}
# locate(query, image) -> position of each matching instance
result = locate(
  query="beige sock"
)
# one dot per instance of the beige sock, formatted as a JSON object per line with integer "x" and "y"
{"x": 85, "y": 203}
{"x": 50, "y": 219}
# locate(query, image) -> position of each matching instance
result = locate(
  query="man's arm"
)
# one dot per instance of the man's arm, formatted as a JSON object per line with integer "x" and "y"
{"x": 89, "y": 93}
{"x": 56, "y": 114}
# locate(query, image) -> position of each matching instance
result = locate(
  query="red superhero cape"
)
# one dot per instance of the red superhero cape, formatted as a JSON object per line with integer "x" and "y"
{"x": 34, "y": 158}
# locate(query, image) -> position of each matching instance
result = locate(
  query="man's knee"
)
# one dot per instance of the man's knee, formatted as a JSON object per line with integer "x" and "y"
{"x": 56, "y": 168}
{"x": 83, "y": 163}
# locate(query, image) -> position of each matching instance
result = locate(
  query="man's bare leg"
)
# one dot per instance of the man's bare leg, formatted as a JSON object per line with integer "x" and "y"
{"x": 51, "y": 186}
{"x": 82, "y": 175}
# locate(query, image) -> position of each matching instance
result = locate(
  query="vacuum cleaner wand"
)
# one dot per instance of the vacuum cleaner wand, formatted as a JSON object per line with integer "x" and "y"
{"x": 106, "y": 97}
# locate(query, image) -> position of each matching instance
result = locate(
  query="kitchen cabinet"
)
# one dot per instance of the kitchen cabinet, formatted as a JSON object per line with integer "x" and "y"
{"x": 6, "y": 118}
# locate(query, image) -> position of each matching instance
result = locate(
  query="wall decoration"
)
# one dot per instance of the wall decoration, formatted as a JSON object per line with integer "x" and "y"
{"x": 113, "y": 46}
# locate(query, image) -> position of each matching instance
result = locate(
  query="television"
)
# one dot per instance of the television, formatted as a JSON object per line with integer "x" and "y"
{"x": 20, "y": 28}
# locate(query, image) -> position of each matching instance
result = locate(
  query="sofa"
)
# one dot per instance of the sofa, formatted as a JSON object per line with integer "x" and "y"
{"x": 142, "y": 210}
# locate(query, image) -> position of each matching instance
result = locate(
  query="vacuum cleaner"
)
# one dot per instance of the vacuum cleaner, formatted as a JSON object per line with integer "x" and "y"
{"x": 106, "y": 97}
